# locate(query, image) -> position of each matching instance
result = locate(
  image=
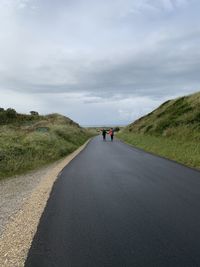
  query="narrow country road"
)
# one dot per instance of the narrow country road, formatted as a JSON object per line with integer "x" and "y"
{"x": 117, "y": 206}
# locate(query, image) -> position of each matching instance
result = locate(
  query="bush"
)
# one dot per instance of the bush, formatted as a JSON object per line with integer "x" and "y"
{"x": 117, "y": 129}
{"x": 34, "y": 113}
{"x": 11, "y": 113}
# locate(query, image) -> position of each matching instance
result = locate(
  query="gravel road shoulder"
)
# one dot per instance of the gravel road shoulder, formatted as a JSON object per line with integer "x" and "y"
{"x": 23, "y": 200}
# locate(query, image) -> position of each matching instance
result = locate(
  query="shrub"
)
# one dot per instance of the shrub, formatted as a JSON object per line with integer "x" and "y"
{"x": 34, "y": 113}
{"x": 11, "y": 113}
{"x": 117, "y": 129}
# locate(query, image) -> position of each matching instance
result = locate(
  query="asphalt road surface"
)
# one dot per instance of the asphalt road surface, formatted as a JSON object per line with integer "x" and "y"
{"x": 115, "y": 205}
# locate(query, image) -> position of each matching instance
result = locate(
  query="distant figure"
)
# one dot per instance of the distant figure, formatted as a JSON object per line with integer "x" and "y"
{"x": 111, "y": 133}
{"x": 104, "y": 132}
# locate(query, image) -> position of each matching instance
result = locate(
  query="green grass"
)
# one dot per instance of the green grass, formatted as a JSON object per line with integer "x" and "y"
{"x": 31, "y": 144}
{"x": 187, "y": 153}
{"x": 171, "y": 131}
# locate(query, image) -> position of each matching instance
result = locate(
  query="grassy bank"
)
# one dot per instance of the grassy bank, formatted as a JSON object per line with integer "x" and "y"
{"x": 187, "y": 153}
{"x": 31, "y": 142}
{"x": 171, "y": 131}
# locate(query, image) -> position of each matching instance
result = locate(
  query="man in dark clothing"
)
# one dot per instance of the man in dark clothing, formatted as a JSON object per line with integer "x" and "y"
{"x": 104, "y": 134}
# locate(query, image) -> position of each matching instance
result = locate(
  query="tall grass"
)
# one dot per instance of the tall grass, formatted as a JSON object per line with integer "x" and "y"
{"x": 30, "y": 146}
{"x": 186, "y": 152}
{"x": 172, "y": 130}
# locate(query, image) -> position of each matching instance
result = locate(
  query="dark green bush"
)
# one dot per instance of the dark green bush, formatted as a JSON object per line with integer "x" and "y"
{"x": 11, "y": 113}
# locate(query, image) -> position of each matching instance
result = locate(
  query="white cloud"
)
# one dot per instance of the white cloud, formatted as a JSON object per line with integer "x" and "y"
{"x": 97, "y": 50}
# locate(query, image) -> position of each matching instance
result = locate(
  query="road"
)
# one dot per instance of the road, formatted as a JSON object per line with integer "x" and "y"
{"x": 115, "y": 205}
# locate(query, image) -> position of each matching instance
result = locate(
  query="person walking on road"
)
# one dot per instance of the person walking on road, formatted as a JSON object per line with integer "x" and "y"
{"x": 104, "y": 132}
{"x": 111, "y": 133}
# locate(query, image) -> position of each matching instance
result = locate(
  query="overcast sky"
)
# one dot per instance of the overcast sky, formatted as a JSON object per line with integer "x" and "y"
{"x": 97, "y": 61}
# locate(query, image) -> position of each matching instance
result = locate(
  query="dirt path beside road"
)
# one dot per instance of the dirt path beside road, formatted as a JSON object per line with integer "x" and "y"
{"x": 23, "y": 200}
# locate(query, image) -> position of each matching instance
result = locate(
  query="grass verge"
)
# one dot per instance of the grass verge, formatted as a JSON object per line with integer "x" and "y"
{"x": 172, "y": 130}
{"x": 178, "y": 149}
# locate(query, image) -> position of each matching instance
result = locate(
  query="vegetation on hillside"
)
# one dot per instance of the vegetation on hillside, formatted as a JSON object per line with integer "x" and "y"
{"x": 30, "y": 141}
{"x": 172, "y": 130}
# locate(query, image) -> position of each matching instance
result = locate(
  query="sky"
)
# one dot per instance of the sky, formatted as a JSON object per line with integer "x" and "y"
{"x": 98, "y": 62}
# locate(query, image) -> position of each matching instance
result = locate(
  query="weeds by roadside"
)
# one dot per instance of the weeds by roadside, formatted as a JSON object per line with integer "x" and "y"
{"x": 187, "y": 153}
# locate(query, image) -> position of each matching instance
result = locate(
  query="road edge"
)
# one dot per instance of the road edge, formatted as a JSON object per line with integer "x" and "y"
{"x": 17, "y": 237}
{"x": 157, "y": 155}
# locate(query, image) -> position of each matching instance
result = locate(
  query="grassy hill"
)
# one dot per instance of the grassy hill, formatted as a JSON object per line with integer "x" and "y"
{"x": 172, "y": 130}
{"x": 30, "y": 141}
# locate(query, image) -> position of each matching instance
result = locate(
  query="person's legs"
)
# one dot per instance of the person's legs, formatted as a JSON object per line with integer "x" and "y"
{"x": 111, "y": 137}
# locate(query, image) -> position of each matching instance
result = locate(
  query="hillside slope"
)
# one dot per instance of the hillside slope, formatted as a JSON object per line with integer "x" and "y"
{"x": 172, "y": 130}
{"x": 30, "y": 141}
{"x": 183, "y": 112}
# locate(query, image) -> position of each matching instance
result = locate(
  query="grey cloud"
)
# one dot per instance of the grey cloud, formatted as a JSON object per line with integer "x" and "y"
{"x": 104, "y": 50}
